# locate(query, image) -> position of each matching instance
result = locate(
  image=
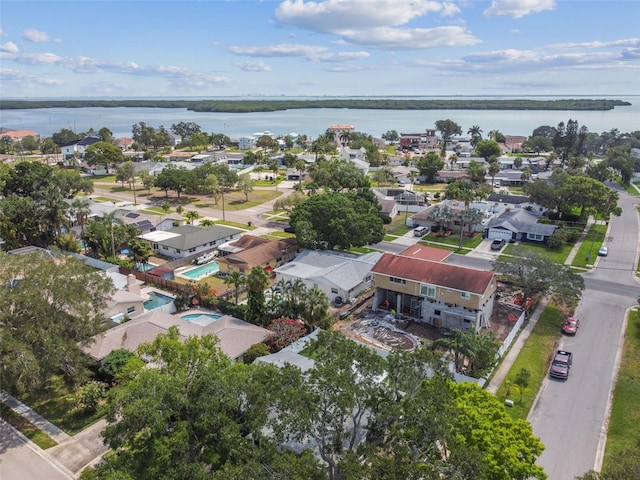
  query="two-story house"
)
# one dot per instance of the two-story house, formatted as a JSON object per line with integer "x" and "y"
{"x": 435, "y": 293}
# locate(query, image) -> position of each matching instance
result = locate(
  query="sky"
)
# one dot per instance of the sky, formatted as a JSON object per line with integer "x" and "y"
{"x": 239, "y": 48}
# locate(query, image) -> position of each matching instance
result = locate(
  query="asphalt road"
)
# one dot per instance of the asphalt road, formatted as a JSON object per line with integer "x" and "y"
{"x": 571, "y": 416}
{"x": 19, "y": 459}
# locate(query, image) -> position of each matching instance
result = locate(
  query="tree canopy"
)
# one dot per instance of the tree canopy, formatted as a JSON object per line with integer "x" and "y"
{"x": 354, "y": 415}
{"x": 47, "y": 306}
{"x": 337, "y": 220}
{"x": 536, "y": 275}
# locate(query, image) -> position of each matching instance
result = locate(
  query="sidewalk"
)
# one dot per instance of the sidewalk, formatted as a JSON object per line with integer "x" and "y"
{"x": 507, "y": 361}
{"x": 42, "y": 423}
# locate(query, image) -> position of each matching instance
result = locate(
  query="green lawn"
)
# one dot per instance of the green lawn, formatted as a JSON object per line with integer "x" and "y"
{"x": 624, "y": 424}
{"x": 557, "y": 256}
{"x": 234, "y": 201}
{"x": 55, "y": 403}
{"x": 589, "y": 248}
{"x": 534, "y": 356}
{"x": 27, "y": 428}
{"x": 229, "y": 223}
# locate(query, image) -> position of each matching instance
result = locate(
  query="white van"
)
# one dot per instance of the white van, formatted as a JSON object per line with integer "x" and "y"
{"x": 420, "y": 231}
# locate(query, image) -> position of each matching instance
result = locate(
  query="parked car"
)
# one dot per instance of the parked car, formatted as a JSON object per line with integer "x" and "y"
{"x": 289, "y": 229}
{"x": 570, "y": 326}
{"x": 603, "y": 251}
{"x": 561, "y": 364}
{"x": 420, "y": 231}
{"x": 498, "y": 243}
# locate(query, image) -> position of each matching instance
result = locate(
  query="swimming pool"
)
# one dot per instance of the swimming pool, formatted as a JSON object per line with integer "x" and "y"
{"x": 201, "y": 271}
{"x": 202, "y": 319}
{"x": 157, "y": 300}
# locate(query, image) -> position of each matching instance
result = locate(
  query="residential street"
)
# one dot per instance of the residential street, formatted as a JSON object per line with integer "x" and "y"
{"x": 571, "y": 416}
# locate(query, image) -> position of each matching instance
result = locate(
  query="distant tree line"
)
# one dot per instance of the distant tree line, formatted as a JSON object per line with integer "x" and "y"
{"x": 240, "y": 106}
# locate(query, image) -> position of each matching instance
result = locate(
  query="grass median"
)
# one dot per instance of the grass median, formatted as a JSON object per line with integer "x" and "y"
{"x": 624, "y": 423}
{"x": 534, "y": 356}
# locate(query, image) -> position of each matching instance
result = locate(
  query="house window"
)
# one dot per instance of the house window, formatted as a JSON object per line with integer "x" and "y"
{"x": 436, "y": 312}
{"x": 131, "y": 309}
{"x": 535, "y": 236}
{"x": 334, "y": 290}
{"x": 177, "y": 251}
{"x": 428, "y": 291}
{"x": 465, "y": 295}
{"x": 164, "y": 247}
{"x": 401, "y": 281}
{"x": 155, "y": 246}
{"x": 192, "y": 250}
{"x": 368, "y": 278}
{"x": 211, "y": 244}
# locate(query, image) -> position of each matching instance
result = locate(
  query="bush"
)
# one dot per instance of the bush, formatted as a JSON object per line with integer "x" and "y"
{"x": 88, "y": 396}
{"x": 556, "y": 241}
{"x": 228, "y": 308}
{"x": 285, "y": 332}
{"x": 386, "y": 219}
{"x": 255, "y": 351}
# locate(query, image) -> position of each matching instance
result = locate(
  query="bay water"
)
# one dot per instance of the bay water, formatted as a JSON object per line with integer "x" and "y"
{"x": 313, "y": 122}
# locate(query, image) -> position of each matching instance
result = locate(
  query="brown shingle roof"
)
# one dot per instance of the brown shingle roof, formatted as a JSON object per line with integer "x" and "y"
{"x": 262, "y": 254}
{"x": 434, "y": 273}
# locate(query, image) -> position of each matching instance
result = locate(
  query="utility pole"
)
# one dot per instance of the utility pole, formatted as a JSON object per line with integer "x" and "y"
{"x": 222, "y": 190}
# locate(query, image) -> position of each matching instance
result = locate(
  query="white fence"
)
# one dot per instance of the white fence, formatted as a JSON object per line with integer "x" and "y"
{"x": 512, "y": 335}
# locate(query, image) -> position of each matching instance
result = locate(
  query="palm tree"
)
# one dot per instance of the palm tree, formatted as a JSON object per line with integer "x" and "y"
{"x": 207, "y": 222}
{"x": 330, "y": 135}
{"x": 257, "y": 281}
{"x": 140, "y": 252}
{"x": 301, "y": 166}
{"x": 80, "y": 209}
{"x": 191, "y": 216}
{"x": 476, "y": 134}
{"x": 236, "y": 279}
{"x": 315, "y": 307}
{"x": 345, "y": 137}
{"x": 459, "y": 344}
{"x": 111, "y": 221}
{"x": 494, "y": 169}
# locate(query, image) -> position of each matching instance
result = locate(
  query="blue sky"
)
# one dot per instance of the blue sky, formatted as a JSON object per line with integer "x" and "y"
{"x": 209, "y": 48}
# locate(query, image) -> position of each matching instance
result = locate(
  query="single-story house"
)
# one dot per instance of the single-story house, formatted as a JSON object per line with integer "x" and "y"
{"x": 388, "y": 207}
{"x": 148, "y": 223}
{"x": 336, "y": 274}
{"x": 235, "y": 336}
{"x": 187, "y": 240}
{"x": 427, "y": 218}
{"x": 502, "y": 201}
{"x": 243, "y": 243}
{"x": 268, "y": 255}
{"x": 436, "y": 293}
{"x": 518, "y": 225}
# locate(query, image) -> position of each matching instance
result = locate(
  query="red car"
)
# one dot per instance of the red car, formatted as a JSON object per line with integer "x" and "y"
{"x": 570, "y": 326}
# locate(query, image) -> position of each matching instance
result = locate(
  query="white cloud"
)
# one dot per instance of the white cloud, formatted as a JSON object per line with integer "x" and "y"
{"x": 9, "y": 47}
{"x": 627, "y": 42}
{"x": 22, "y": 79}
{"x": 407, "y": 39}
{"x": 37, "y": 36}
{"x": 257, "y": 66}
{"x": 375, "y": 23}
{"x": 518, "y": 8}
{"x": 38, "y": 58}
{"x": 308, "y": 52}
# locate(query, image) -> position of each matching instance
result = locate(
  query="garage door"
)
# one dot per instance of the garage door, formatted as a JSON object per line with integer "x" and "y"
{"x": 498, "y": 233}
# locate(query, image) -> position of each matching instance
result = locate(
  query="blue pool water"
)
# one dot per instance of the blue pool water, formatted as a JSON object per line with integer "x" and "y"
{"x": 201, "y": 271}
{"x": 144, "y": 267}
{"x": 202, "y": 319}
{"x": 193, "y": 316}
{"x": 157, "y": 300}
